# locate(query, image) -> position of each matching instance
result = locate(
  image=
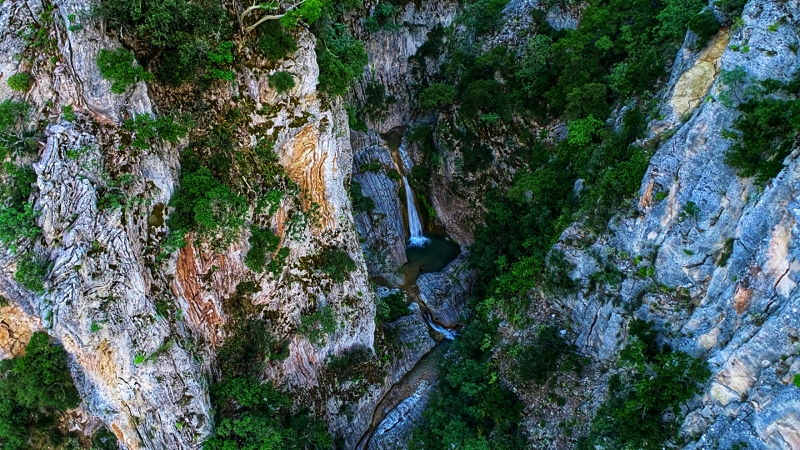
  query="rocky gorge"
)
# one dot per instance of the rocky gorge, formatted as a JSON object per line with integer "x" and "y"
{"x": 360, "y": 327}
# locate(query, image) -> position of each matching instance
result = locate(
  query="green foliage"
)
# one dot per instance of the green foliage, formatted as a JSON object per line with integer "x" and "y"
{"x": 336, "y": 263}
{"x": 19, "y": 82}
{"x": 252, "y": 415}
{"x": 31, "y": 271}
{"x": 704, "y": 25}
{"x": 68, "y": 113}
{"x": 391, "y": 307}
{"x": 653, "y": 381}
{"x": 765, "y": 132}
{"x": 33, "y": 389}
{"x": 437, "y": 96}
{"x": 281, "y": 81}
{"x": 317, "y": 325}
{"x": 274, "y": 42}
{"x": 203, "y": 203}
{"x": 104, "y": 440}
{"x": 145, "y": 129}
{"x": 676, "y": 16}
{"x": 262, "y": 243}
{"x": 360, "y": 202}
{"x": 484, "y": 15}
{"x": 584, "y": 131}
{"x": 249, "y": 414}
{"x": 17, "y": 214}
{"x": 174, "y": 35}
{"x": 548, "y": 354}
{"x": 119, "y": 67}
{"x": 382, "y": 18}
{"x": 341, "y": 59}
{"x": 796, "y": 380}
{"x": 469, "y": 408}
{"x": 219, "y": 60}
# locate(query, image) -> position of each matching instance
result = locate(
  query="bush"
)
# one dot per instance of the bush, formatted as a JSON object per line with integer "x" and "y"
{"x": 360, "y": 202}
{"x": 341, "y": 60}
{"x": 262, "y": 242}
{"x": 653, "y": 381}
{"x": 206, "y": 205}
{"x": 145, "y": 129}
{"x": 704, "y": 25}
{"x": 392, "y": 307}
{"x": 281, "y": 81}
{"x": 317, "y": 325}
{"x": 31, "y": 271}
{"x": 274, "y": 42}
{"x": 176, "y": 34}
{"x": 549, "y": 353}
{"x": 118, "y": 66}
{"x": 336, "y": 263}
{"x": 766, "y": 134}
{"x": 381, "y": 18}
{"x": 468, "y": 408}
{"x": 33, "y": 388}
{"x": 437, "y": 96}
{"x": 19, "y": 82}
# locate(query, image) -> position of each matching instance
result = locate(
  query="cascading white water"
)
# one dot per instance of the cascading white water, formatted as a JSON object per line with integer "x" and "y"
{"x": 407, "y": 163}
{"x": 447, "y": 334}
{"x": 416, "y": 238}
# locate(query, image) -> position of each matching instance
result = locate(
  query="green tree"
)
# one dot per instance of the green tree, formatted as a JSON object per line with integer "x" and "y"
{"x": 437, "y": 96}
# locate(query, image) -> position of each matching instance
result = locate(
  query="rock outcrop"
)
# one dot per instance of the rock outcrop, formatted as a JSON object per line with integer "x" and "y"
{"x": 724, "y": 281}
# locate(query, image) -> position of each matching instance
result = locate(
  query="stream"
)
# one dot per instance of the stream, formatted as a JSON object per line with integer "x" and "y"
{"x": 425, "y": 253}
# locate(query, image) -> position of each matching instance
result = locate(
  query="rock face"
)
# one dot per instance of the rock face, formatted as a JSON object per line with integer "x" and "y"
{"x": 445, "y": 293}
{"x": 382, "y": 227}
{"x": 389, "y": 53}
{"x": 730, "y": 272}
{"x": 140, "y": 370}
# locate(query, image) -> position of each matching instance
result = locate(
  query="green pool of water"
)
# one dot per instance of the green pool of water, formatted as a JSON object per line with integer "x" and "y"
{"x": 434, "y": 257}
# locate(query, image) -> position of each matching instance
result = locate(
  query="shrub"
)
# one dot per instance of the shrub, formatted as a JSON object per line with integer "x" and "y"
{"x": 119, "y": 67}
{"x": 391, "y": 307}
{"x": 704, "y": 25}
{"x": 274, "y": 42}
{"x": 145, "y": 129}
{"x": 204, "y": 204}
{"x": 317, "y": 325}
{"x": 281, "y": 81}
{"x": 31, "y": 271}
{"x": 468, "y": 408}
{"x": 219, "y": 59}
{"x": 381, "y": 18}
{"x": 437, "y": 96}
{"x": 796, "y": 380}
{"x": 360, "y": 202}
{"x": 766, "y": 134}
{"x": 262, "y": 242}
{"x": 341, "y": 60}
{"x": 176, "y": 34}
{"x": 19, "y": 82}
{"x": 653, "y": 381}
{"x": 336, "y": 263}
{"x": 549, "y": 353}
{"x": 33, "y": 387}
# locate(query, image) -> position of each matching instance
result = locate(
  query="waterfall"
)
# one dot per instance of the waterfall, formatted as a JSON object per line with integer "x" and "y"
{"x": 416, "y": 238}
{"x": 407, "y": 163}
{"x": 448, "y": 334}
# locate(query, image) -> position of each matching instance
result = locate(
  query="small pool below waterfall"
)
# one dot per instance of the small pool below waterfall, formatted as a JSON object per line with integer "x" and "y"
{"x": 433, "y": 257}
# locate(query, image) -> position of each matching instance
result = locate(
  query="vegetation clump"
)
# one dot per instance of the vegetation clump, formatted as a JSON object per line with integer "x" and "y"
{"x": 262, "y": 243}
{"x": 765, "y": 133}
{"x": 34, "y": 389}
{"x": 120, "y": 67}
{"x": 548, "y": 354}
{"x": 281, "y": 82}
{"x": 654, "y": 380}
{"x": 336, "y": 263}
{"x": 19, "y": 82}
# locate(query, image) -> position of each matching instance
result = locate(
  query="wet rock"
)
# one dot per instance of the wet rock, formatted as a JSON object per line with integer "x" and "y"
{"x": 445, "y": 293}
